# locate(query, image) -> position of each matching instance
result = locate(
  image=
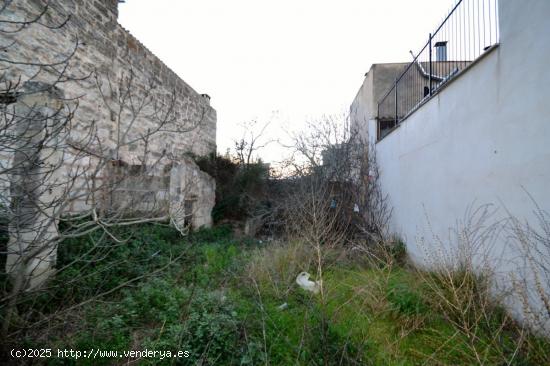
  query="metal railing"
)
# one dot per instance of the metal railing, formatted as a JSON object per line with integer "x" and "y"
{"x": 466, "y": 33}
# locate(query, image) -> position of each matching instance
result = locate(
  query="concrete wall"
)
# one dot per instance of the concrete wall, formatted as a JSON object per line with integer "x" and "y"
{"x": 378, "y": 80}
{"x": 485, "y": 138}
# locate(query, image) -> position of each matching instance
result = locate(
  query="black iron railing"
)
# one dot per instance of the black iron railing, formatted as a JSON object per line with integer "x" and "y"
{"x": 466, "y": 33}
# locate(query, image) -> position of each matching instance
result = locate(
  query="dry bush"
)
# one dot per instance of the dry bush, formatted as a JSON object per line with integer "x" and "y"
{"x": 276, "y": 266}
{"x": 331, "y": 205}
{"x": 331, "y": 197}
{"x": 332, "y": 192}
{"x": 532, "y": 282}
{"x": 460, "y": 282}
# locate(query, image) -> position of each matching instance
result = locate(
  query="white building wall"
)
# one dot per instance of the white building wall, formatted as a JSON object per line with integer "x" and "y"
{"x": 485, "y": 138}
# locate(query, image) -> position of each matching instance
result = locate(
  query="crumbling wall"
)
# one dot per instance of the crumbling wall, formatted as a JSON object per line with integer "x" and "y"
{"x": 105, "y": 55}
{"x": 103, "y": 63}
{"x": 33, "y": 230}
{"x": 192, "y": 194}
{"x": 182, "y": 191}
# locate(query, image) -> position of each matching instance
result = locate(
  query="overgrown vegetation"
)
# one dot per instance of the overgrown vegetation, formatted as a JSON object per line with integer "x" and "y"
{"x": 235, "y": 302}
{"x": 125, "y": 283}
{"x": 240, "y": 188}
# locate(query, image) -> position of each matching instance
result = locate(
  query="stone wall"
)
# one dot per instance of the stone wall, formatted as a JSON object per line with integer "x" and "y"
{"x": 106, "y": 57}
{"x": 106, "y": 48}
{"x": 119, "y": 92}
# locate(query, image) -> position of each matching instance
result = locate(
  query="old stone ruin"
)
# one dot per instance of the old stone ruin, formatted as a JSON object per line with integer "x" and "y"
{"x": 99, "y": 130}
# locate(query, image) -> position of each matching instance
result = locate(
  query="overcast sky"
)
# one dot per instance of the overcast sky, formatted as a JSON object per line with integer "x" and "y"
{"x": 280, "y": 60}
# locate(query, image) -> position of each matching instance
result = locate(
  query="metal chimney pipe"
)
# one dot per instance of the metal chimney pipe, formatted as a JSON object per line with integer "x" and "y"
{"x": 441, "y": 51}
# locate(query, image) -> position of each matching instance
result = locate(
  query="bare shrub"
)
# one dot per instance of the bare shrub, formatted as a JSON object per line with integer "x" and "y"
{"x": 278, "y": 264}
{"x": 333, "y": 185}
{"x": 331, "y": 208}
{"x": 459, "y": 274}
{"x": 532, "y": 282}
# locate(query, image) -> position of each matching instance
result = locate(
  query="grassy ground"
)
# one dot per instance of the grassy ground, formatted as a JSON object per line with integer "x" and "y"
{"x": 234, "y": 302}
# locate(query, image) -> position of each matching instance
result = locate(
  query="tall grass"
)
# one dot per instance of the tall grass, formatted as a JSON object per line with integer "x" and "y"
{"x": 235, "y": 302}
{"x": 387, "y": 310}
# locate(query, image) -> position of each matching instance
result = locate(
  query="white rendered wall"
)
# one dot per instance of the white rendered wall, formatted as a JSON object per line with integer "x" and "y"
{"x": 485, "y": 138}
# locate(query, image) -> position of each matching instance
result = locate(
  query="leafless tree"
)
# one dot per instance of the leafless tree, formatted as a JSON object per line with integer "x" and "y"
{"x": 329, "y": 199}
{"x": 252, "y": 141}
{"x": 253, "y": 174}
{"x": 335, "y": 169}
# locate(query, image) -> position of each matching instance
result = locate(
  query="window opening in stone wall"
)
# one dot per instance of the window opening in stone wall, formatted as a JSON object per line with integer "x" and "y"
{"x": 188, "y": 207}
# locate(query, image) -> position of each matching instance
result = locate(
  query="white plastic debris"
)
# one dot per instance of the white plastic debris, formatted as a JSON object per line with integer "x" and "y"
{"x": 303, "y": 281}
{"x": 282, "y": 306}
